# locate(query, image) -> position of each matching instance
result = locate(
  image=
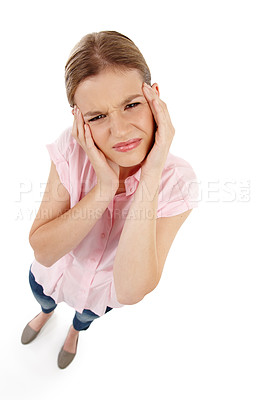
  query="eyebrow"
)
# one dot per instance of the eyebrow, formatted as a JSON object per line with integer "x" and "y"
{"x": 127, "y": 100}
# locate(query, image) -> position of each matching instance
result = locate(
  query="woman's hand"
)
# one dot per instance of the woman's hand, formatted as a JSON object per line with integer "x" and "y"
{"x": 155, "y": 161}
{"x": 107, "y": 171}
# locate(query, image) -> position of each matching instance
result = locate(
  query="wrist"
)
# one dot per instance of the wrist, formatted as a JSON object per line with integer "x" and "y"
{"x": 154, "y": 176}
{"x": 148, "y": 188}
{"x": 106, "y": 191}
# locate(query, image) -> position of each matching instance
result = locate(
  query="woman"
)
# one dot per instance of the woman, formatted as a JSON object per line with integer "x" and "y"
{"x": 98, "y": 238}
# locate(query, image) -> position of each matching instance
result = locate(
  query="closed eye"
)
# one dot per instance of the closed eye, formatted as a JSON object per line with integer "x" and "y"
{"x": 132, "y": 105}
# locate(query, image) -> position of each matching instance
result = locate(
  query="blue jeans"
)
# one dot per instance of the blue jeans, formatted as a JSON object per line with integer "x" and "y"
{"x": 81, "y": 321}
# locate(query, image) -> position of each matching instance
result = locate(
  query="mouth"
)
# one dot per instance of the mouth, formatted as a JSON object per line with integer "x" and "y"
{"x": 129, "y": 145}
{"x": 126, "y": 143}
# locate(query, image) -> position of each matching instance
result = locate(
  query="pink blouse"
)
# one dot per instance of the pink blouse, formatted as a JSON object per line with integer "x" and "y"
{"x": 83, "y": 278}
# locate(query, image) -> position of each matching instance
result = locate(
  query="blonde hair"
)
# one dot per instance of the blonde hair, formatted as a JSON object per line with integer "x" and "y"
{"x": 99, "y": 51}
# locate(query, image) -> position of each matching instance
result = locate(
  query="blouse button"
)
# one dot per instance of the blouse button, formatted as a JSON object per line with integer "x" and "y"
{"x": 103, "y": 235}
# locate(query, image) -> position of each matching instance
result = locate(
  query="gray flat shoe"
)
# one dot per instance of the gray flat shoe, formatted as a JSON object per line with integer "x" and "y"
{"x": 65, "y": 358}
{"x": 29, "y": 334}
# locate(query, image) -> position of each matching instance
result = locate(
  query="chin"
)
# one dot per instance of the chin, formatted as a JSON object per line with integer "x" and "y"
{"x": 127, "y": 164}
{"x": 130, "y": 160}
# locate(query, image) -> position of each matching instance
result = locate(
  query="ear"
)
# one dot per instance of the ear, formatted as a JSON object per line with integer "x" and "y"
{"x": 156, "y": 88}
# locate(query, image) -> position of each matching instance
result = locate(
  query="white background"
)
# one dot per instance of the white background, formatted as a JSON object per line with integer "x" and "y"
{"x": 201, "y": 333}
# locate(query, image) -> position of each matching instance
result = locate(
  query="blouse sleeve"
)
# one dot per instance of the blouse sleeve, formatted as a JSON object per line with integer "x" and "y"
{"x": 59, "y": 154}
{"x": 178, "y": 190}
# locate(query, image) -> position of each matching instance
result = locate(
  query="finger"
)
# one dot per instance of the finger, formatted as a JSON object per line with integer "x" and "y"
{"x": 147, "y": 91}
{"x": 95, "y": 155}
{"x": 152, "y": 94}
{"x": 160, "y": 110}
{"x": 164, "y": 113}
{"x": 90, "y": 144}
{"x": 74, "y": 128}
{"x": 88, "y": 137}
{"x": 164, "y": 117}
{"x": 151, "y": 97}
{"x": 80, "y": 125}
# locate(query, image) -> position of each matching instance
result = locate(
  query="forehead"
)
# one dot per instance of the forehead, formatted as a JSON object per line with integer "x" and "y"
{"x": 107, "y": 89}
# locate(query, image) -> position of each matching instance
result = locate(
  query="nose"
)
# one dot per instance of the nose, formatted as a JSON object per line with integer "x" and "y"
{"x": 119, "y": 125}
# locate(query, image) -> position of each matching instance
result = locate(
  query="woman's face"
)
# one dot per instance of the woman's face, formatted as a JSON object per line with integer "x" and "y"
{"x": 114, "y": 106}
